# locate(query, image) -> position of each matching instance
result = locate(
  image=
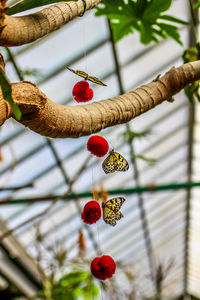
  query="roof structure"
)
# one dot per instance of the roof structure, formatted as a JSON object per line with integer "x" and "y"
{"x": 160, "y": 225}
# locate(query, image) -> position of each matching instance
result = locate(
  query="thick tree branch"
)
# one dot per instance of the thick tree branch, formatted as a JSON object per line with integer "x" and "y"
{"x": 26, "y": 29}
{"x": 58, "y": 121}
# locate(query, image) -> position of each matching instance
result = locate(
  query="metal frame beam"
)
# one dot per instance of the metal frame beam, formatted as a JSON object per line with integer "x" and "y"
{"x": 145, "y": 227}
{"x": 192, "y": 42}
{"x": 126, "y": 191}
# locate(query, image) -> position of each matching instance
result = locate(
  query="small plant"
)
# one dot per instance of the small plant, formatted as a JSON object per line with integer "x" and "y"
{"x": 77, "y": 284}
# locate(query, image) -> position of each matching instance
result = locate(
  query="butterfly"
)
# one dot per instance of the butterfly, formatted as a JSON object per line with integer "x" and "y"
{"x": 111, "y": 211}
{"x": 115, "y": 162}
{"x": 86, "y": 76}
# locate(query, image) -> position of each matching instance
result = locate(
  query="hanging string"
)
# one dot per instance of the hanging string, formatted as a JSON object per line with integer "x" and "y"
{"x": 84, "y": 49}
{"x": 98, "y": 242}
{"x": 85, "y": 58}
{"x": 110, "y": 144}
{"x": 92, "y": 178}
{"x": 98, "y": 238}
{"x": 84, "y": 37}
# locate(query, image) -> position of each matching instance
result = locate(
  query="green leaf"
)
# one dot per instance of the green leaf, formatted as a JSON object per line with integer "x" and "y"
{"x": 196, "y": 5}
{"x": 108, "y": 8}
{"x": 146, "y": 34}
{"x": 121, "y": 29}
{"x": 7, "y": 94}
{"x": 77, "y": 284}
{"x": 189, "y": 93}
{"x": 123, "y": 21}
{"x": 190, "y": 54}
{"x": 28, "y": 4}
{"x": 141, "y": 134}
{"x": 118, "y": 10}
{"x": 147, "y": 159}
{"x": 140, "y": 7}
{"x": 160, "y": 33}
{"x": 32, "y": 73}
{"x": 172, "y": 31}
{"x": 140, "y": 15}
{"x": 155, "y": 8}
{"x": 192, "y": 90}
{"x": 129, "y": 135}
{"x": 173, "y": 19}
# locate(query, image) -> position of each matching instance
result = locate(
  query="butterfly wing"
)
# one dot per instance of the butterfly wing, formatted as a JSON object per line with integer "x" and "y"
{"x": 109, "y": 163}
{"x": 115, "y": 162}
{"x": 96, "y": 80}
{"x": 109, "y": 216}
{"x": 111, "y": 211}
{"x": 82, "y": 74}
{"x": 85, "y": 75}
{"x": 79, "y": 73}
{"x": 115, "y": 203}
{"x": 118, "y": 215}
{"x": 122, "y": 164}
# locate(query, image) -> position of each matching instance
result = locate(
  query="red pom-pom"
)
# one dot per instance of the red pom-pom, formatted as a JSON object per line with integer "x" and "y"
{"x": 82, "y": 91}
{"x": 97, "y": 145}
{"x": 91, "y": 212}
{"x": 103, "y": 267}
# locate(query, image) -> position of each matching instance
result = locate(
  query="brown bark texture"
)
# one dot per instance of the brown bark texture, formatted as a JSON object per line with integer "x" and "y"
{"x": 18, "y": 31}
{"x": 58, "y": 121}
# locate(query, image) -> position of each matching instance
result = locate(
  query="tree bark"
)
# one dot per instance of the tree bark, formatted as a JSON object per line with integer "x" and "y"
{"x": 58, "y": 121}
{"x": 18, "y": 31}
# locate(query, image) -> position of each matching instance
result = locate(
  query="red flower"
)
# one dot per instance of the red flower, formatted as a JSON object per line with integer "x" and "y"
{"x": 103, "y": 267}
{"x": 97, "y": 145}
{"x": 82, "y": 91}
{"x": 91, "y": 212}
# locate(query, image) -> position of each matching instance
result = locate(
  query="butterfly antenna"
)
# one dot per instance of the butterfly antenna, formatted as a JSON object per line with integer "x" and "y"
{"x": 68, "y": 68}
{"x": 111, "y": 148}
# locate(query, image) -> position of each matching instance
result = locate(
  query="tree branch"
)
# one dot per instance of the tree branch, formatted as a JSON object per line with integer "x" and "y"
{"x": 58, "y": 121}
{"x": 18, "y": 31}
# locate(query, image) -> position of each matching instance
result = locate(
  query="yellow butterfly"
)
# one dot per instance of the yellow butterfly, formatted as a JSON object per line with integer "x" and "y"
{"x": 86, "y": 76}
{"x": 115, "y": 162}
{"x": 111, "y": 211}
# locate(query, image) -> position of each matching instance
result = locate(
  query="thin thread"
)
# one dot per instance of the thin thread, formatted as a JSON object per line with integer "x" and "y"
{"x": 110, "y": 145}
{"x": 98, "y": 235}
{"x": 98, "y": 238}
{"x": 98, "y": 241}
{"x": 84, "y": 46}
{"x": 85, "y": 58}
{"x": 92, "y": 177}
{"x": 101, "y": 294}
{"x": 84, "y": 38}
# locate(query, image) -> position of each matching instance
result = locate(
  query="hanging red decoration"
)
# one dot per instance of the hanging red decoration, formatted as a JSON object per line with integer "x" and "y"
{"x": 82, "y": 92}
{"x": 91, "y": 212}
{"x": 103, "y": 267}
{"x": 97, "y": 145}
